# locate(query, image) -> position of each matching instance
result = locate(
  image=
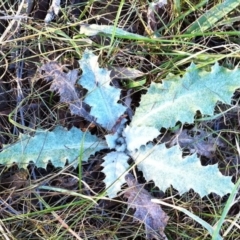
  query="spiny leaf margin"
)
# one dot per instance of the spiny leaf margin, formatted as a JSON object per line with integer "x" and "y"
{"x": 102, "y": 97}
{"x": 56, "y": 146}
{"x": 178, "y": 99}
{"x": 115, "y": 169}
{"x": 167, "y": 167}
{"x": 135, "y": 136}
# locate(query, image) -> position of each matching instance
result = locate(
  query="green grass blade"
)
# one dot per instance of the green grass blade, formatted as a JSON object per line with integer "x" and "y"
{"x": 225, "y": 210}
{"x": 116, "y": 21}
{"x": 191, "y": 215}
{"x": 209, "y": 18}
{"x": 227, "y": 207}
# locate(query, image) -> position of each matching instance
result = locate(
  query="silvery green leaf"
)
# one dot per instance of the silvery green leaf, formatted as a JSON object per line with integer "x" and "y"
{"x": 115, "y": 169}
{"x": 138, "y": 136}
{"x": 101, "y": 97}
{"x": 56, "y": 146}
{"x": 115, "y": 140}
{"x": 167, "y": 167}
{"x": 179, "y": 98}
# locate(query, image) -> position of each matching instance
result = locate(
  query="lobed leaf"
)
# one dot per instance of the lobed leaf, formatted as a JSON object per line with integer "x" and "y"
{"x": 115, "y": 140}
{"x": 167, "y": 167}
{"x": 178, "y": 99}
{"x": 102, "y": 97}
{"x": 135, "y": 136}
{"x": 56, "y": 146}
{"x": 115, "y": 169}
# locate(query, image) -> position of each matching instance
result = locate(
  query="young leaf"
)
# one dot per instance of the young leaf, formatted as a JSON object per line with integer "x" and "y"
{"x": 58, "y": 146}
{"x": 102, "y": 97}
{"x": 178, "y": 99}
{"x": 116, "y": 140}
{"x": 167, "y": 167}
{"x": 115, "y": 169}
{"x": 137, "y": 136}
